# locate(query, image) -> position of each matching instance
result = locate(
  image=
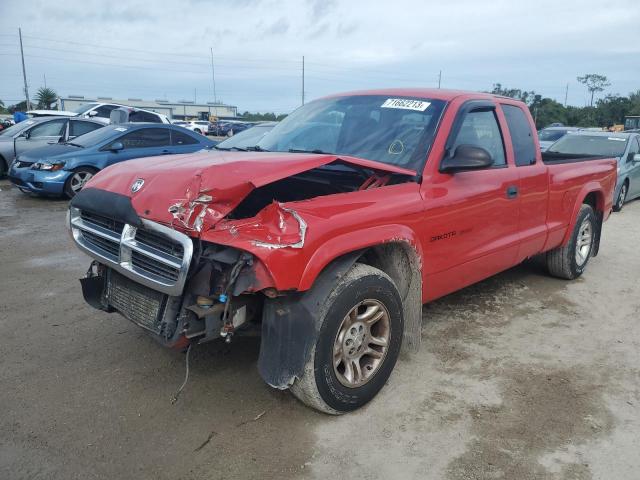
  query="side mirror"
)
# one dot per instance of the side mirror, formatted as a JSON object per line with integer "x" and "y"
{"x": 467, "y": 157}
{"x": 92, "y": 113}
{"x": 116, "y": 146}
{"x": 26, "y": 135}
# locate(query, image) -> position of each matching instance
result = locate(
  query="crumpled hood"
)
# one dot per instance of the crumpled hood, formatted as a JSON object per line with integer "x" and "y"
{"x": 199, "y": 189}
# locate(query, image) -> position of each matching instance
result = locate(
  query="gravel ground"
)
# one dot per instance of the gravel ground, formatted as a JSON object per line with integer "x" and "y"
{"x": 520, "y": 377}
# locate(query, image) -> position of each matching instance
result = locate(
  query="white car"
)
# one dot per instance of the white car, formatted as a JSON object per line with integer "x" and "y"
{"x": 198, "y": 126}
{"x": 102, "y": 112}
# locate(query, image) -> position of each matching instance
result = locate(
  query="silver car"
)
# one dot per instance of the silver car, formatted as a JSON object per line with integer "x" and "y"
{"x": 38, "y": 132}
{"x": 624, "y": 146}
{"x": 547, "y": 136}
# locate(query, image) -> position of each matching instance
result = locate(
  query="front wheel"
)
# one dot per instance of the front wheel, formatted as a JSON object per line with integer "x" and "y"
{"x": 569, "y": 262}
{"x": 359, "y": 341}
{"x": 77, "y": 180}
{"x": 622, "y": 198}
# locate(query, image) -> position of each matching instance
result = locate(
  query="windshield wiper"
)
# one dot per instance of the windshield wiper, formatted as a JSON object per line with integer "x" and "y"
{"x": 257, "y": 148}
{"x": 73, "y": 144}
{"x": 230, "y": 148}
{"x": 316, "y": 150}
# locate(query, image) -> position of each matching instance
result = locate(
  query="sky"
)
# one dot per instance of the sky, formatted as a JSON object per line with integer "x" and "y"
{"x": 161, "y": 49}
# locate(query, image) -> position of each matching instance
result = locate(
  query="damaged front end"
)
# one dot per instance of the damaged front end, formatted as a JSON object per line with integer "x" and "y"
{"x": 199, "y": 259}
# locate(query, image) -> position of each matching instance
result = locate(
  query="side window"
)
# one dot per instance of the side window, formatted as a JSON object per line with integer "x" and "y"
{"x": 480, "y": 129}
{"x": 180, "y": 138}
{"x": 146, "y": 138}
{"x": 79, "y": 127}
{"x": 139, "y": 116}
{"x": 54, "y": 128}
{"x": 524, "y": 148}
{"x": 634, "y": 148}
{"x": 104, "y": 111}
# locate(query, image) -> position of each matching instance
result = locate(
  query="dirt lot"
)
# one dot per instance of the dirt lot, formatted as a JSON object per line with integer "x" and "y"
{"x": 519, "y": 377}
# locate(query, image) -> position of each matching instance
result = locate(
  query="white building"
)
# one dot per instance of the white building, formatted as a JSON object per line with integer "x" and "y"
{"x": 181, "y": 110}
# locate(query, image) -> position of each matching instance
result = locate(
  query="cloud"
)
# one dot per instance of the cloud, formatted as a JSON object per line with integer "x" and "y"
{"x": 151, "y": 49}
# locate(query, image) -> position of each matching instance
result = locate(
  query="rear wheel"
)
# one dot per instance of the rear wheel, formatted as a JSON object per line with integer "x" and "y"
{"x": 622, "y": 197}
{"x": 358, "y": 344}
{"x": 569, "y": 262}
{"x": 197, "y": 130}
{"x": 77, "y": 180}
{"x": 4, "y": 167}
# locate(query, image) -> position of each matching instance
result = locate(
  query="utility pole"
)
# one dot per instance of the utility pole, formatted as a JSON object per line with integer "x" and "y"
{"x": 566, "y": 94}
{"x": 44, "y": 76}
{"x": 213, "y": 80}
{"x": 303, "y": 80}
{"x": 24, "y": 71}
{"x": 439, "y": 78}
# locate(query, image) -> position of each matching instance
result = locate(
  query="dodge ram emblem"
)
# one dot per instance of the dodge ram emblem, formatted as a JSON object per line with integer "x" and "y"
{"x": 137, "y": 185}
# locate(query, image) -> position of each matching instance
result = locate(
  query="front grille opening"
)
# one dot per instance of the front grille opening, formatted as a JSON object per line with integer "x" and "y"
{"x": 97, "y": 241}
{"x": 150, "y": 265}
{"x": 159, "y": 242}
{"x": 104, "y": 222}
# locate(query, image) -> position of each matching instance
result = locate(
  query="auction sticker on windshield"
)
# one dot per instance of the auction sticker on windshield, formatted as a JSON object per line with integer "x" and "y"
{"x": 406, "y": 104}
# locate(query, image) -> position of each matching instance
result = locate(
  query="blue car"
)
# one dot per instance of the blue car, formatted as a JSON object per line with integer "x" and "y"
{"x": 63, "y": 169}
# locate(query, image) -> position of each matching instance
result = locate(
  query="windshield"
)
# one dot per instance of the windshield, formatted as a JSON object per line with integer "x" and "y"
{"x": 83, "y": 108}
{"x": 97, "y": 136}
{"x": 631, "y": 123}
{"x": 551, "y": 135}
{"x": 247, "y": 138}
{"x": 397, "y": 131}
{"x": 17, "y": 128}
{"x": 599, "y": 145}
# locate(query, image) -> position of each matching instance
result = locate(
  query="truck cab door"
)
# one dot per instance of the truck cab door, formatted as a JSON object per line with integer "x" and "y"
{"x": 533, "y": 179}
{"x": 41, "y": 135}
{"x": 471, "y": 216}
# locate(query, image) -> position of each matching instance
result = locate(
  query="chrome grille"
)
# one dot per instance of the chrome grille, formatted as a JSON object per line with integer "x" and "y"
{"x": 153, "y": 255}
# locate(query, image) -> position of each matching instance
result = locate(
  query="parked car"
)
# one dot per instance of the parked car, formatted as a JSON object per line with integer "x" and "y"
{"x": 248, "y": 138}
{"x": 198, "y": 126}
{"x": 548, "y": 135}
{"x": 228, "y": 128}
{"x": 102, "y": 112}
{"x": 37, "y": 132}
{"x": 63, "y": 169}
{"x": 624, "y": 146}
{"x": 356, "y": 210}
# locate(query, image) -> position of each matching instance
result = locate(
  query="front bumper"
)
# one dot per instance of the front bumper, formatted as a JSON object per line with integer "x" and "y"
{"x": 39, "y": 181}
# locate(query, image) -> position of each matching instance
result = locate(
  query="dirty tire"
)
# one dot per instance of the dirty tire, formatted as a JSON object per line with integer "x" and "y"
{"x": 622, "y": 197}
{"x": 319, "y": 386}
{"x": 562, "y": 262}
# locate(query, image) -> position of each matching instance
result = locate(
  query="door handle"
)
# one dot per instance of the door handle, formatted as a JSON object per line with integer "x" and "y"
{"x": 512, "y": 191}
{"x": 166, "y": 152}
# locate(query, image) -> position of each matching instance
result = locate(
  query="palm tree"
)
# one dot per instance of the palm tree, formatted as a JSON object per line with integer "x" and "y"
{"x": 45, "y": 97}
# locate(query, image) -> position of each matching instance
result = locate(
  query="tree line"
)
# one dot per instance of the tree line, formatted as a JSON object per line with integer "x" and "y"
{"x": 604, "y": 112}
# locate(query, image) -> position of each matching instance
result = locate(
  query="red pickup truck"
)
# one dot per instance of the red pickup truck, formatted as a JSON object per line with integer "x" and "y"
{"x": 331, "y": 233}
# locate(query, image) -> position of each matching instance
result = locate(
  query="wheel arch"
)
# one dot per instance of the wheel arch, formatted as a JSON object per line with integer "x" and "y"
{"x": 290, "y": 323}
{"x": 592, "y": 195}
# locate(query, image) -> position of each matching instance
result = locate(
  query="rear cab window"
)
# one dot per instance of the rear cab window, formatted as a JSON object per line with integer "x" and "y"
{"x": 524, "y": 147}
